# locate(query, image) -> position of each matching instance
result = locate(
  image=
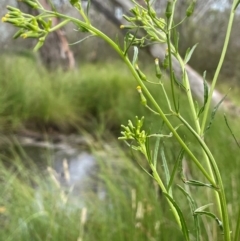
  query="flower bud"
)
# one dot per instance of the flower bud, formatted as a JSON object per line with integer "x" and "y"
{"x": 32, "y": 4}
{"x": 140, "y": 73}
{"x": 10, "y": 8}
{"x": 157, "y": 68}
{"x": 39, "y": 44}
{"x": 190, "y": 9}
{"x": 165, "y": 63}
{"x": 143, "y": 99}
{"x": 30, "y": 34}
{"x": 31, "y": 26}
{"x": 169, "y": 9}
{"x": 18, "y": 33}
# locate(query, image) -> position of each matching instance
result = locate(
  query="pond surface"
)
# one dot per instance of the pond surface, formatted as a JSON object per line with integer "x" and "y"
{"x": 68, "y": 160}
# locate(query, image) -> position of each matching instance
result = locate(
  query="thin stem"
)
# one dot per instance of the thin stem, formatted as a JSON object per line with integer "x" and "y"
{"x": 160, "y": 183}
{"x": 189, "y": 93}
{"x": 221, "y": 193}
{"x": 168, "y": 35}
{"x": 224, "y": 50}
{"x": 165, "y": 119}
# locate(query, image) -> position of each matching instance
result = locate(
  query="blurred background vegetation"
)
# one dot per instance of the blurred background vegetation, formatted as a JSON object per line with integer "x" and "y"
{"x": 94, "y": 99}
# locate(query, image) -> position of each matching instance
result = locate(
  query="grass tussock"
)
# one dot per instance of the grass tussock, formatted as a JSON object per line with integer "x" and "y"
{"x": 96, "y": 98}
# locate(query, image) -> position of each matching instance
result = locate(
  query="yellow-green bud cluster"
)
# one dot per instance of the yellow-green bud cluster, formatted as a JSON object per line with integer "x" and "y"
{"x": 132, "y": 132}
{"x": 30, "y": 26}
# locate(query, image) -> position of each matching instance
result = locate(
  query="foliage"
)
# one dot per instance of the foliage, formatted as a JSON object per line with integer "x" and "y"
{"x": 161, "y": 30}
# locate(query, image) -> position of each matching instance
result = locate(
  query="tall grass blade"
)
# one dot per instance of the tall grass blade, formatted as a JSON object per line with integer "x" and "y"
{"x": 175, "y": 168}
{"x": 205, "y": 86}
{"x": 237, "y": 231}
{"x": 193, "y": 207}
{"x": 165, "y": 168}
{"x": 181, "y": 217}
{"x": 234, "y": 137}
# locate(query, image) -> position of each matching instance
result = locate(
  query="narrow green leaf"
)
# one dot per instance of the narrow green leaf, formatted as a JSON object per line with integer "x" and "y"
{"x": 205, "y": 86}
{"x": 177, "y": 82}
{"x": 135, "y": 55}
{"x": 231, "y": 131}
{"x": 175, "y": 168}
{"x": 165, "y": 167}
{"x": 155, "y": 153}
{"x": 202, "y": 208}
{"x": 181, "y": 217}
{"x": 214, "y": 113}
{"x": 127, "y": 45}
{"x": 198, "y": 183}
{"x": 189, "y": 53}
{"x": 149, "y": 155}
{"x": 147, "y": 172}
{"x": 209, "y": 214}
{"x": 193, "y": 207}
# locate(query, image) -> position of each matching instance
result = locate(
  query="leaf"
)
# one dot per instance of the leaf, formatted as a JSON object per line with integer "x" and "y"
{"x": 205, "y": 86}
{"x": 193, "y": 207}
{"x": 198, "y": 183}
{"x": 140, "y": 164}
{"x": 147, "y": 145}
{"x": 231, "y": 131}
{"x": 127, "y": 45}
{"x": 202, "y": 208}
{"x": 155, "y": 153}
{"x": 135, "y": 55}
{"x": 189, "y": 53}
{"x": 178, "y": 82}
{"x": 181, "y": 217}
{"x": 175, "y": 168}
{"x": 214, "y": 113}
{"x": 209, "y": 214}
{"x": 165, "y": 167}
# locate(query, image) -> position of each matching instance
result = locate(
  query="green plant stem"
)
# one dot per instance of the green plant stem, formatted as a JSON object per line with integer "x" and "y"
{"x": 224, "y": 50}
{"x": 165, "y": 119}
{"x": 196, "y": 120}
{"x": 188, "y": 92}
{"x": 140, "y": 82}
{"x": 160, "y": 183}
{"x": 168, "y": 35}
{"x": 220, "y": 191}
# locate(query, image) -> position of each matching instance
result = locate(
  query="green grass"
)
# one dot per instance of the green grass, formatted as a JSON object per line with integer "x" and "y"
{"x": 97, "y": 98}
